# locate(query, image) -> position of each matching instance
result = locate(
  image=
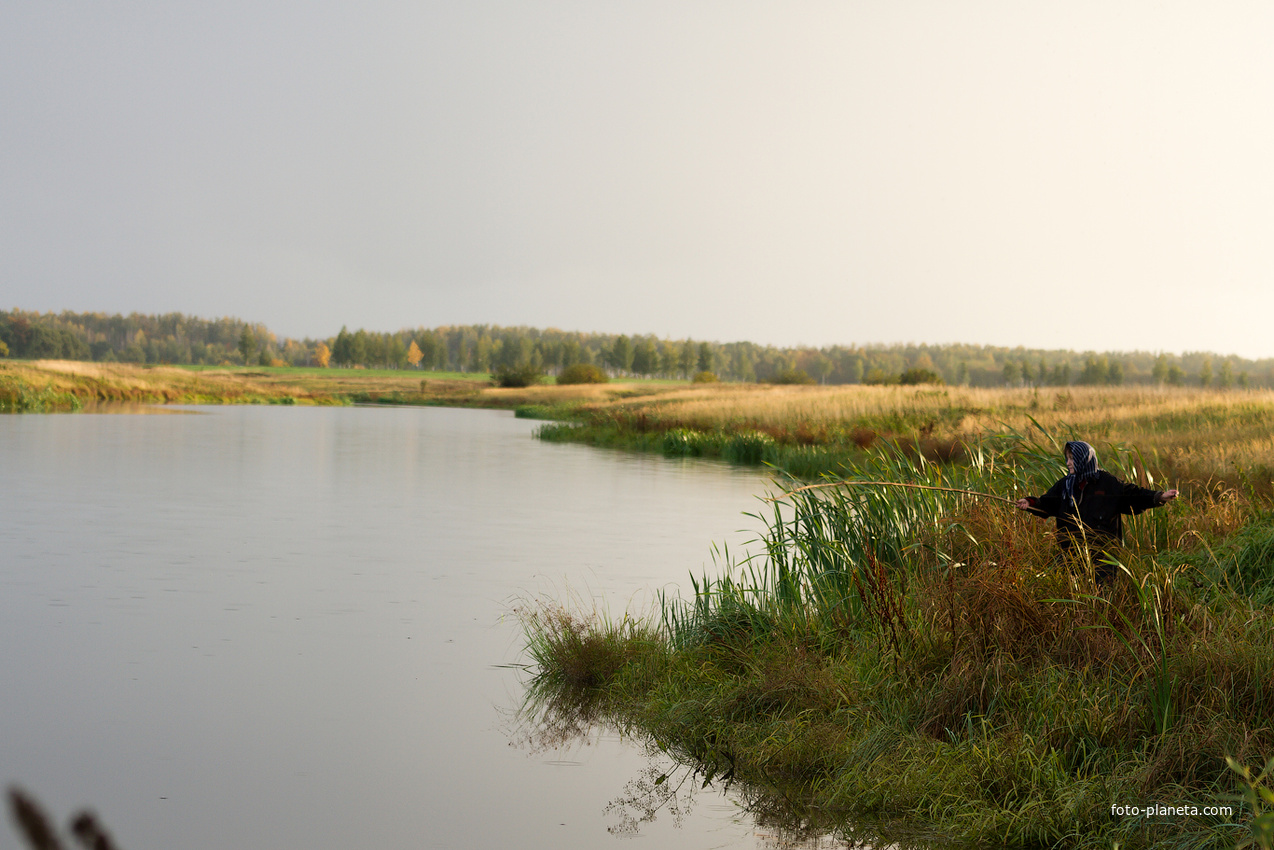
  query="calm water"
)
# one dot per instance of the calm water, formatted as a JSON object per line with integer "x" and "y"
{"x": 268, "y": 627}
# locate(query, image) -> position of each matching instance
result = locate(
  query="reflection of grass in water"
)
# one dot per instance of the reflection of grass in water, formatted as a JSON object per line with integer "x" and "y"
{"x": 906, "y": 653}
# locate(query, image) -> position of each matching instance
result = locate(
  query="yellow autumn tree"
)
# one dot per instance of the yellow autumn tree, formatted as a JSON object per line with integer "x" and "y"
{"x": 322, "y": 355}
{"x": 414, "y": 354}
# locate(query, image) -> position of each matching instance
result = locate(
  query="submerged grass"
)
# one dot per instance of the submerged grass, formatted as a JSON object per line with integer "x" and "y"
{"x": 918, "y": 655}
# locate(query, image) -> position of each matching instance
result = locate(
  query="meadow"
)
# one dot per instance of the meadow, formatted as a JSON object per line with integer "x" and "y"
{"x": 1195, "y": 436}
{"x": 68, "y": 385}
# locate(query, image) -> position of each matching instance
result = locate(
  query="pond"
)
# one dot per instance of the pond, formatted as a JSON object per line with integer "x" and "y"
{"x": 272, "y": 627}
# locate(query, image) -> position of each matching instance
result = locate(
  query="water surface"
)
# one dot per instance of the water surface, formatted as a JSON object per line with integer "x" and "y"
{"x": 272, "y": 627}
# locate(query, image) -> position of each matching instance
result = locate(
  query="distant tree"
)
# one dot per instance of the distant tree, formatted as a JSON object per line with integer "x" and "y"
{"x": 645, "y": 358}
{"x": 1160, "y": 371}
{"x": 621, "y": 354}
{"x": 704, "y": 377}
{"x": 322, "y": 355}
{"x": 247, "y": 344}
{"x": 1115, "y": 374}
{"x": 395, "y": 353}
{"x": 4, "y": 349}
{"x": 1094, "y": 373}
{"x": 1244, "y": 380}
{"x": 705, "y": 357}
{"x": 264, "y": 358}
{"x": 1175, "y": 377}
{"x": 1012, "y": 374}
{"x": 819, "y": 366}
{"x": 414, "y": 355}
{"x": 1226, "y": 379}
{"x": 686, "y": 360}
{"x": 1205, "y": 372}
{"x": 341, "y": 348}
{"x": 358, "y": 348}
{"x": 962, "y": 374}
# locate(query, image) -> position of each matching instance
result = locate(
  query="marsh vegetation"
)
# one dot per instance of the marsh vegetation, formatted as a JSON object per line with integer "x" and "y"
{"x": 906, "y": 661}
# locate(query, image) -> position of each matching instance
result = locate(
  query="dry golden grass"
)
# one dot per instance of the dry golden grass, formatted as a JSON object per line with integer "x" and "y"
{"x": 128, "y": 382}
{"x": 1183, "y": 432}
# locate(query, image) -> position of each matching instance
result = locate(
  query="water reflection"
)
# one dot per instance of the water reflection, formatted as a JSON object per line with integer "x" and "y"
{"x": 556, "y": 719}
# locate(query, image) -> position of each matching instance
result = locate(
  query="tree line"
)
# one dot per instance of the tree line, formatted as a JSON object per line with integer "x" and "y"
{"x": 178, "y": 339}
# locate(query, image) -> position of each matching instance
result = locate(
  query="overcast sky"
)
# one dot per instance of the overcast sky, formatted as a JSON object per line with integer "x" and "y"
{"x": 1063, "y": 175}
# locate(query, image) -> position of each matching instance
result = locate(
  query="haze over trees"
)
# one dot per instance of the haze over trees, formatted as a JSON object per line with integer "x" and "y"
{"x": 174, "y": 338}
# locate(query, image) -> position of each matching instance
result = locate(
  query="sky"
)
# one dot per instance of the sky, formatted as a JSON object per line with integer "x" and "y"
{"x": 1085, "y": 175}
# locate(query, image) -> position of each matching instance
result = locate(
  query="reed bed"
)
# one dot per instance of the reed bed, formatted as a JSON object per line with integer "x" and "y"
{"x": 888, "y": 661}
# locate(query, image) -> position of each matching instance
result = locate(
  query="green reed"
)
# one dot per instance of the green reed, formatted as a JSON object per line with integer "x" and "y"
{"x": 919, "y": 651}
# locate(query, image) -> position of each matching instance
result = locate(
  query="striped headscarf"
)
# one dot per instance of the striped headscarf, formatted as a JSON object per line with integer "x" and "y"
{"x": 1085, "y": 458}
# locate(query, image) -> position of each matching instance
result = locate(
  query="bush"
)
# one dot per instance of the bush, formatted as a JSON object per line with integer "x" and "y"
{"x": 582, "y": 373}
{"x": 705, "y": 378}
{"x": 920, "y": 376}
{"x": 517, "y": 376}
{"x": 792, "y": 376}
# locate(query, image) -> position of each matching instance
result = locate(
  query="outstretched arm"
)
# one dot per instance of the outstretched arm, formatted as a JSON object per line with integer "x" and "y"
{"x": 1137, "y": 499}
{"x": 1044, "y": 506}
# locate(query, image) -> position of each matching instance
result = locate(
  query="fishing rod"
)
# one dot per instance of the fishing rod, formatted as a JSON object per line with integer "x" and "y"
{"x": 892, "y": 484}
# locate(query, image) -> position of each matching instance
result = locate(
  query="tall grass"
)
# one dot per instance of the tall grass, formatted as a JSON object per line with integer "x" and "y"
{"x": 1185, "y": 434}
{"x": 886, "y": 651}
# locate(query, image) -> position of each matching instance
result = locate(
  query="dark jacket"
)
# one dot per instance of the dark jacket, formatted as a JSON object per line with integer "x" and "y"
{"x": 1099, "y": 504}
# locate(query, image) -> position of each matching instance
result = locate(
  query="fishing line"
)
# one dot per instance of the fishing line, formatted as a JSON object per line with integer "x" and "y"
{"x": 893, "y": 484}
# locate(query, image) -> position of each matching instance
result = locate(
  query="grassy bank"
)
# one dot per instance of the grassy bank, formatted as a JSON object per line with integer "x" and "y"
{"x": 57, "y": 385}
{"x": 1185, "y": 434}
{"x": 64, "y": 385}
{"x": 899, "y": 662}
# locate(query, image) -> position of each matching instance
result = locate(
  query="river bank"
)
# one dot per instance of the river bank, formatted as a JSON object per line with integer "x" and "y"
{"x": 898, "y": 662}
{"x": 67, "y": 385}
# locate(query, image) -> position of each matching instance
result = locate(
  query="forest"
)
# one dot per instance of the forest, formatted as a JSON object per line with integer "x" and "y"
{"x": 174, "y": 338}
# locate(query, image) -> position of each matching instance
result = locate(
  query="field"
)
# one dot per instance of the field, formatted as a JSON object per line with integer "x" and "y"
{"x": 1191, "y": 436}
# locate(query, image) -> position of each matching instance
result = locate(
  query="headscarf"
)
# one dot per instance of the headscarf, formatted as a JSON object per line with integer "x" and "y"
{"x": 1085, "y": 459}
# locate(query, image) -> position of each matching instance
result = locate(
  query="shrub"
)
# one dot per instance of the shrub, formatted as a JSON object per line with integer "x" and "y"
{"x": 582, "y": 373}
{"x": 705, "y": 378}
{"x": 920, "y": 376}
{"x": 792, "y": 376}
{"x": 517, "y": 376}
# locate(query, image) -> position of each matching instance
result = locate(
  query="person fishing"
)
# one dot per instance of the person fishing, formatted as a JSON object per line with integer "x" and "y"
{"x": 1088, "y": 504}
